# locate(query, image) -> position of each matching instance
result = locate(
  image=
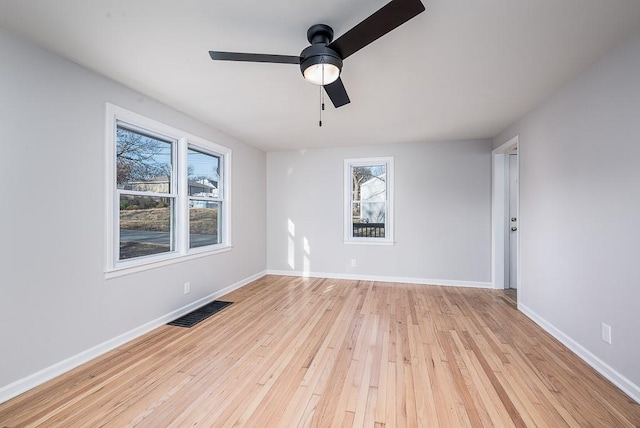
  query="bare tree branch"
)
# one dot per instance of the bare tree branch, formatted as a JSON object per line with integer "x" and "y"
{"x": 139, "y": 157}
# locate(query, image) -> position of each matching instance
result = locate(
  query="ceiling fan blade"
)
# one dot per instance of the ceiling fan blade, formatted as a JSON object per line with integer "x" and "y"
{"x": 337, "y": 93}
{"x": 386, "y": 19}
{"x": 252, "y": 57}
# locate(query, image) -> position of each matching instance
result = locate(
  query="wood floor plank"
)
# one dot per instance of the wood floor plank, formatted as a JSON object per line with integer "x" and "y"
{"x": 457, "y": 366}
{"x": 487, "y": 397}
{"x": 305, "y": 352}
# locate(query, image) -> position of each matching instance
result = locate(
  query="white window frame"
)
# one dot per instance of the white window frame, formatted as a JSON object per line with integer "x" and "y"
{"x": 348, "y": 201}
{"x": 183, "y": 141}
{"x": 221, "y": 192}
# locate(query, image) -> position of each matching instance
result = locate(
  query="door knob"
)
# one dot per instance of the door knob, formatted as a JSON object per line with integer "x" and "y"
{"x": 513, "y": 229}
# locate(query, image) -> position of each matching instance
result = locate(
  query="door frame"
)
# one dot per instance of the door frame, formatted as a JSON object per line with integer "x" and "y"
{"x": 500, "y": 215}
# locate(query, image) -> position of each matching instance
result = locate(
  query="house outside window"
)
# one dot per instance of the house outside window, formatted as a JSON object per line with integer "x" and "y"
{"x": 167, "y": 193}
{"x": 368, "y": 215}
{"x": 205, "y": 202}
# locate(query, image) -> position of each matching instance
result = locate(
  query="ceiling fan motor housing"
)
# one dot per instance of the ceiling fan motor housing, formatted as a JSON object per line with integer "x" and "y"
{"x": 320, "y": 33}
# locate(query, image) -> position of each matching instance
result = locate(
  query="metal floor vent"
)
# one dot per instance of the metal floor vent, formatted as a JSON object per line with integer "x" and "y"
{"x": 200, "y": 314}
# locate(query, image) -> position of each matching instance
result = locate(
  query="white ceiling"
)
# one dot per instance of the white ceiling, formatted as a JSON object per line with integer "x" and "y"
{"x": 462, "y": 69}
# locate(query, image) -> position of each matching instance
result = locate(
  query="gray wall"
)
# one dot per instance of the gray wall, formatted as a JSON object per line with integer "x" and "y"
{"x": 580, "y": 207}
{"x": 55, "y": 301}
{"x": 442, "y": 206}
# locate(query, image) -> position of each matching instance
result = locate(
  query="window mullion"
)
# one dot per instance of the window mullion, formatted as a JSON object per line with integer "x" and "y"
{"x": 182, "y": 221}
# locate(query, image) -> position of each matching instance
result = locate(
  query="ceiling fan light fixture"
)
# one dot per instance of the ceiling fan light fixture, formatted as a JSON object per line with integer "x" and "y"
{"x": 320, "y": 64}
{"x": 321, "y": 74}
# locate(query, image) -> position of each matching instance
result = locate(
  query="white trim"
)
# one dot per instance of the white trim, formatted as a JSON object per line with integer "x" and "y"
{"x": 388, "y": 161}
{"x": 499, "y": 213}
{"x": 422, "y": 281}
{"x": 110, "y": 168}
{"x": 368, "y": 241}
{"x": 226, "y": 196}
{"x": 627, "y": 386}
{"x": 20, "y": 386}
{"x": 169, "y": 260}
{"x": 182, "y": 200}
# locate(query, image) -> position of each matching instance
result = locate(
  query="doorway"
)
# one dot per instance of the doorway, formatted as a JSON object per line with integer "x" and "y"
{"x": 513, "y": 219}
{"x": 505, "y": 216}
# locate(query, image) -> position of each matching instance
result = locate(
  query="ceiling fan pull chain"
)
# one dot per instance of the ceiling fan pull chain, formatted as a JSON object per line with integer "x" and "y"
{"x": 321, "y": 88}
{"x": 321, "y": 108}
{"x": 321, "y": 97}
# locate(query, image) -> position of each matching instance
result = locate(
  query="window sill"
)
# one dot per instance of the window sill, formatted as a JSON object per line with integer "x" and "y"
{"x": 367, "y": 242}
{"x": 170, "y": 260}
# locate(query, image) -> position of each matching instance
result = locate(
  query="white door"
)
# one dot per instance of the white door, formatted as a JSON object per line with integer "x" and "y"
{"x": 513, "y": 221}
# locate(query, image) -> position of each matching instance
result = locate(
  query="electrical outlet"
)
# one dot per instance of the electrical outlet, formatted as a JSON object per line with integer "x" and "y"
{"x": 354, "y": 263}
{"x": 606, "y": 333}
{"x": 187, "y": 287}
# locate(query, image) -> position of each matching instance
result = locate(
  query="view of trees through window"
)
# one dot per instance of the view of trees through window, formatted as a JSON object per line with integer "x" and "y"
{"x": 167, "y": 193}
{"x": 144, "y": 170}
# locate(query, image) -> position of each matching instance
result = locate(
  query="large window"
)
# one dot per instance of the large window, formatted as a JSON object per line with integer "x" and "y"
{"x": 368, "y": 200}
{"x": 167, "y": 192}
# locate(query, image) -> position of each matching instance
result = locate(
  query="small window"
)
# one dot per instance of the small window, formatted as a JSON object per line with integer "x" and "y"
{"x": 168, "y": 193}
{"x": 368, "y": 200}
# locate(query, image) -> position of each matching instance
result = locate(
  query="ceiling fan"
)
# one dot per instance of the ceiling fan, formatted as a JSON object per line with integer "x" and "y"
{"x": 321, "y": 63}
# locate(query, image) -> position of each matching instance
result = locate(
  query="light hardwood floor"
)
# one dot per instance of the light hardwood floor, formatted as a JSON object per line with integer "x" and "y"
{"x": 321, "y": 352}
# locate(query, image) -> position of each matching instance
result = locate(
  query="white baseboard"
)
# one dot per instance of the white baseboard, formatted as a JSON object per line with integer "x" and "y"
{"x": 22, "y": 385}
{"x": 629, "y": 388}
{"x": 445, "y": 282}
